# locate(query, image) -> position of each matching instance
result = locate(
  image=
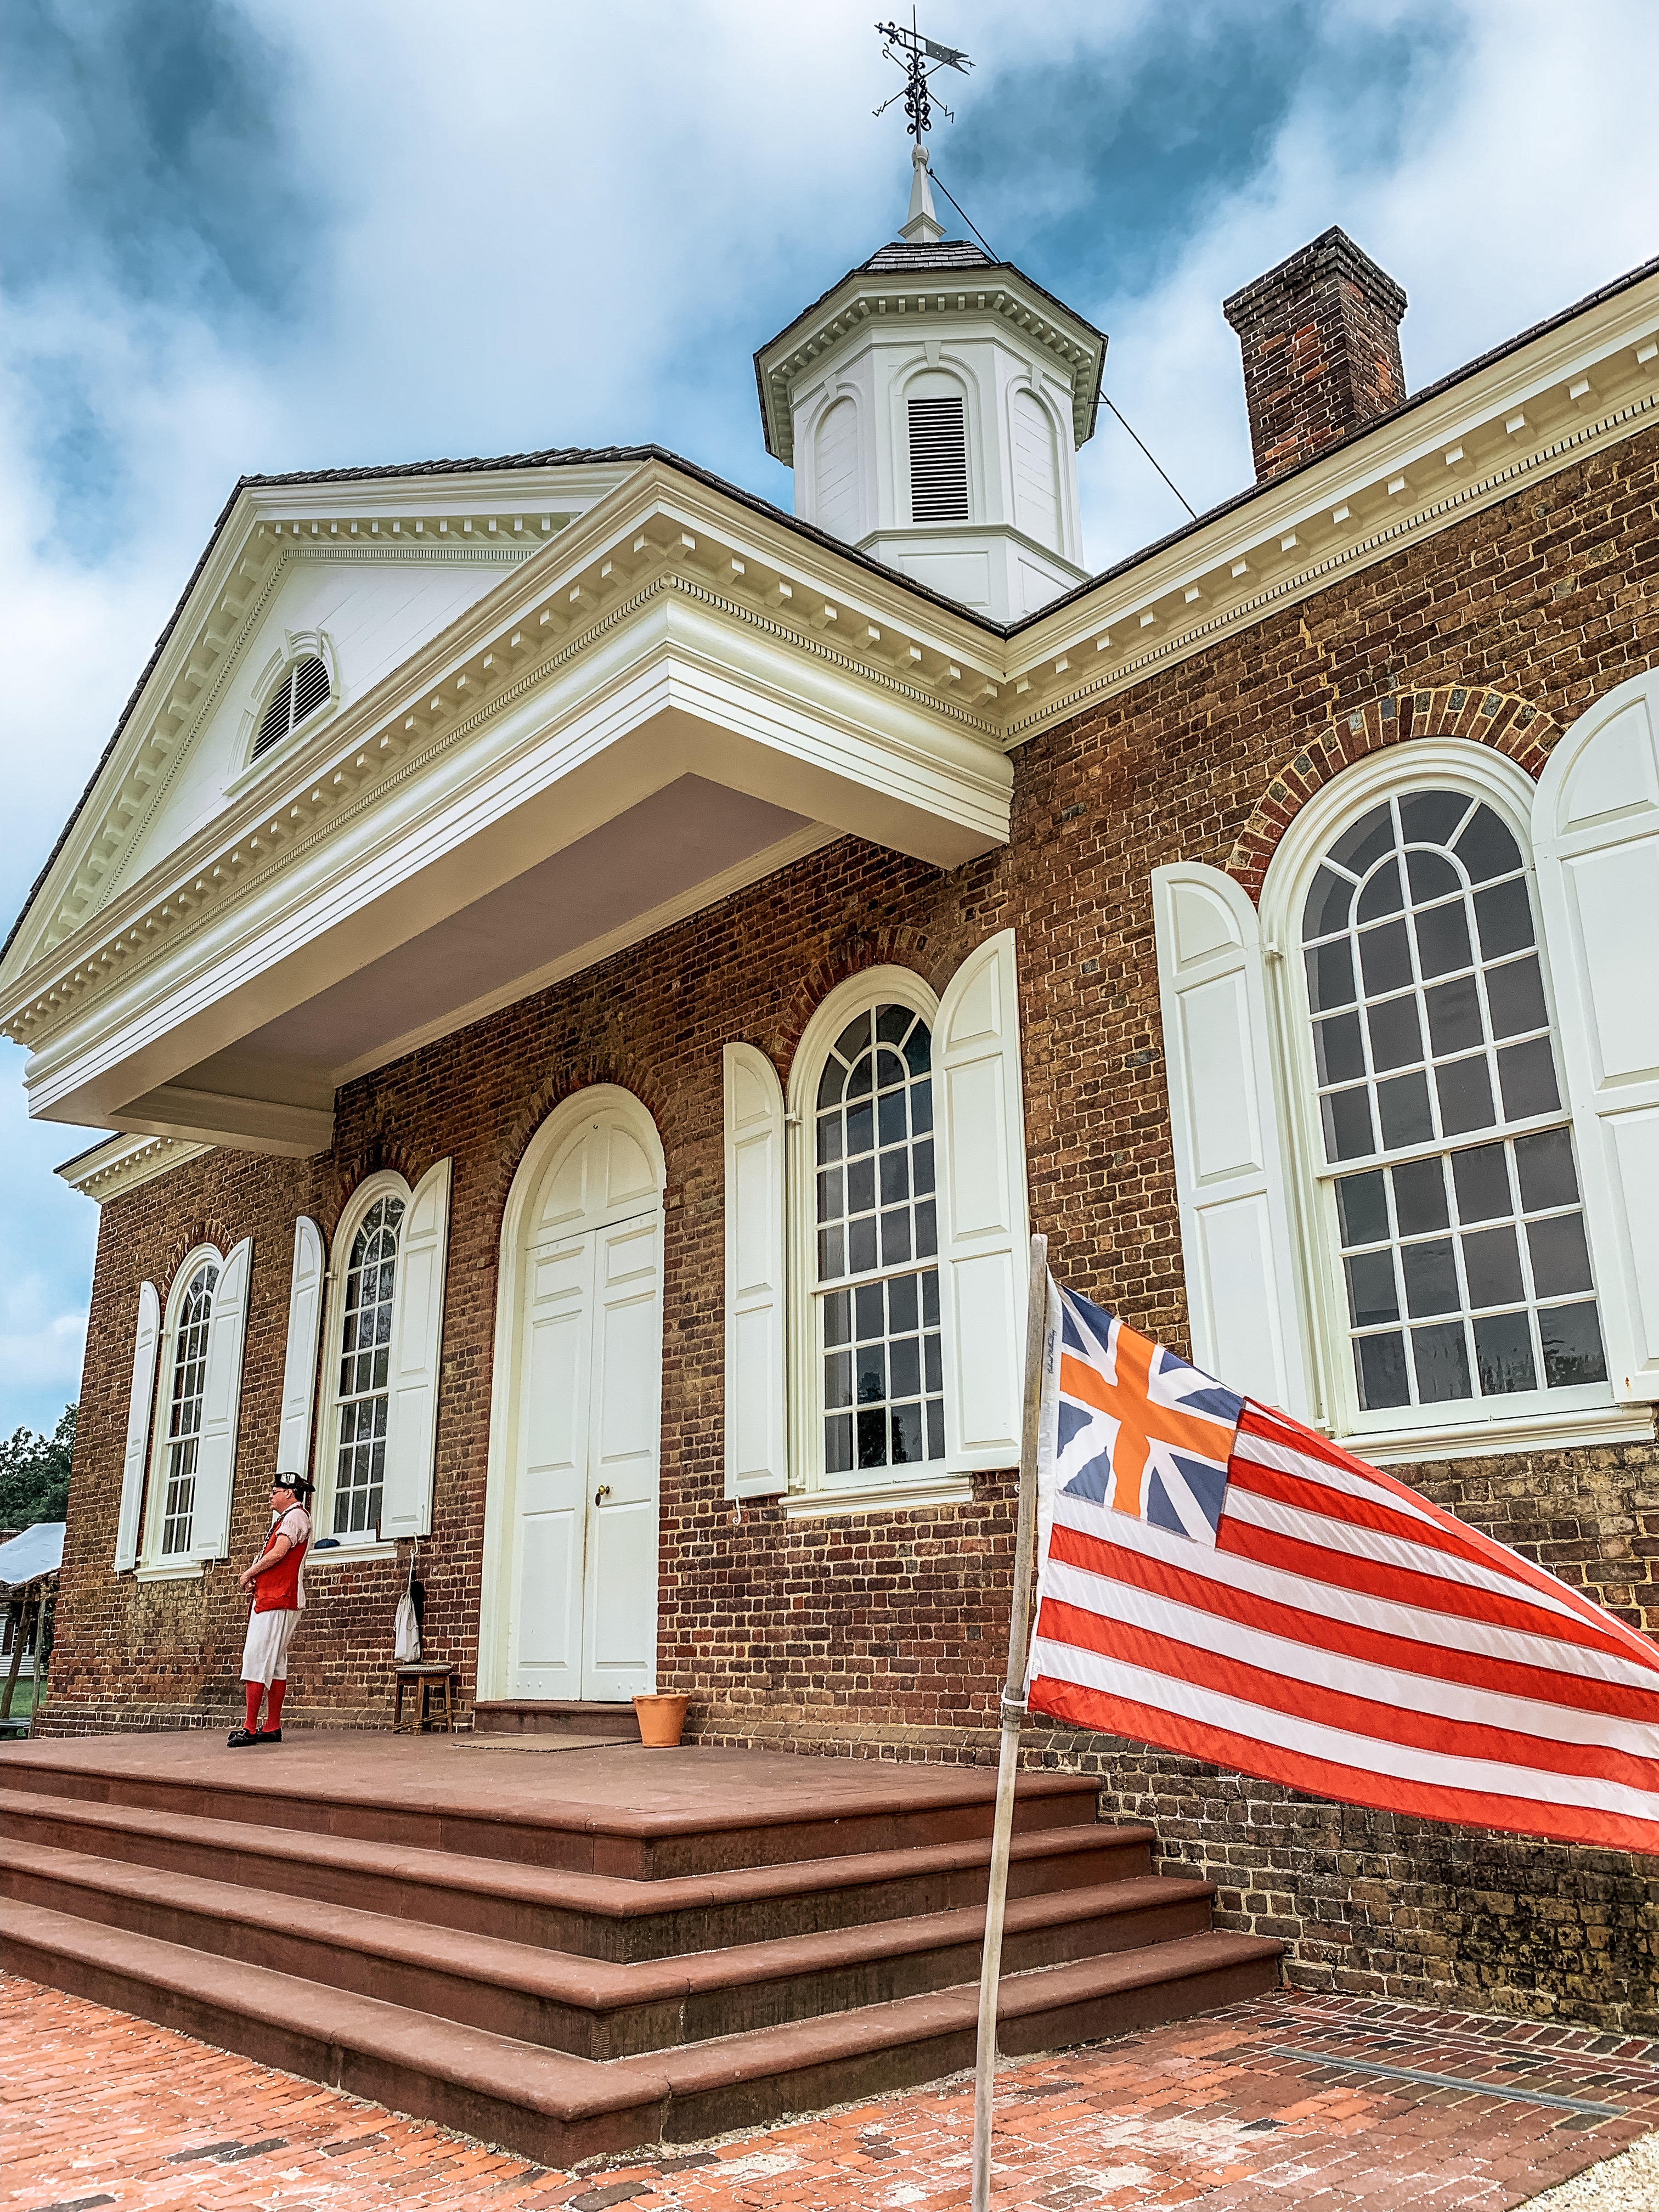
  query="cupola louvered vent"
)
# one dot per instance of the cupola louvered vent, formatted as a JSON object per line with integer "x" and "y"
{"x": 304, "y": 689}
{"x": 938, "y": 461}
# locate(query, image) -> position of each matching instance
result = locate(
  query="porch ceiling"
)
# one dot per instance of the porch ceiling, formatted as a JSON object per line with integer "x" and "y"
{"x": 672, "y": 852}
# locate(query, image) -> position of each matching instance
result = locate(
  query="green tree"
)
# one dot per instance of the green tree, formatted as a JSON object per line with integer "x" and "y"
{"x": 34, "y": 1474}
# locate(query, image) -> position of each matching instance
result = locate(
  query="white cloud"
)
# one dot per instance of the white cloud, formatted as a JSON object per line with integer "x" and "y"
{"x": 569, "y": 227}
{"x": 40, "y": 1350}
{"x": 1525, "y": 180}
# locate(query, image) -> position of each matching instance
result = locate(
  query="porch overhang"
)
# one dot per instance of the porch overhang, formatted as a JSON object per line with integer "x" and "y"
{"x": 540, "y": 788}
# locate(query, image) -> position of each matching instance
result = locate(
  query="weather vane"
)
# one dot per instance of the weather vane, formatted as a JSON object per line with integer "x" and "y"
{"x": 913, "y": 53}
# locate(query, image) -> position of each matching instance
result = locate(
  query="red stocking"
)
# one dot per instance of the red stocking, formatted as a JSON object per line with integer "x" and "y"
{"x": 253, "y": 1692}
{"x": 274, "y": 1697}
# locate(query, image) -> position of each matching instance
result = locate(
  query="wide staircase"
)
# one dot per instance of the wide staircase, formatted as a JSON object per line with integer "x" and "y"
{"x": 567, "y": 1982}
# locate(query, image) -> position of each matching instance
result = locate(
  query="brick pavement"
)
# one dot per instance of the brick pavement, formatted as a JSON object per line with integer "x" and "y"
{"x": 1234, "y": 2112}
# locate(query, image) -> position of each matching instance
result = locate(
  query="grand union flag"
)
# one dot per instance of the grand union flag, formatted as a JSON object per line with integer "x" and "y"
{"x": 1221, "y": 1582}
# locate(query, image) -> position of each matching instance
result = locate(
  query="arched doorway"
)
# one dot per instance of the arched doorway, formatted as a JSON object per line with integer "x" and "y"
{"x": 570, "y": 1531}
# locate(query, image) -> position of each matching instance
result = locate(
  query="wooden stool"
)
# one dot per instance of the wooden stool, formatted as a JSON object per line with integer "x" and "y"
{"x": 438, "y": 1712}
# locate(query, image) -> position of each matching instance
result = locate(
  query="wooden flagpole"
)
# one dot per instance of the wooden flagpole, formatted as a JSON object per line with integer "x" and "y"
{"x": 1013, "y": 1706}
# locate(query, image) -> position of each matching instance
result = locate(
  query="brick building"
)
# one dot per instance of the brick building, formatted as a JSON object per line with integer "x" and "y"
{"x": 597, "y": 979}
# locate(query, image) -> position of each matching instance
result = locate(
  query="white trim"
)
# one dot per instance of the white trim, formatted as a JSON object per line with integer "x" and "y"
{"x": 187, "y": 1571}
{"x": 1244, "y": 1303}
{"x": 1606, "y": 1425}
{"x": 124, "y": 1164}
{"x": 756, "y": 1275}
{"x": 342, "y": 1548}
{"x": 140, "y": 1407}
{"x": 1596, "y": 849}
{"x": 805, "y": 1383}
{"x": 541, "y": 1156}
{"x": 307, "y": 1285}
{"x": 1526, "y": 1421}
{"x": 901, "y": 1495}
{"x": 984, "y": 1207}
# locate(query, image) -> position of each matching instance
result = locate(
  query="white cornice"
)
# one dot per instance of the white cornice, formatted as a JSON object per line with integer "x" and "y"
{"x": 914, "y": 302}
{"x": 122, "y": 1164}
{"x": 1522, "y": 419}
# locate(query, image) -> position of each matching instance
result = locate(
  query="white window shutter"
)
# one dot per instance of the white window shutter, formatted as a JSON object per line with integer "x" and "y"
{"x": 305, "y": 1301}
{"x": 221, "y": 1398}
{"x": 1243, "y": 1307}
{"x": 757, "y": 1462}
{"x": 980, "y": 1112}
{"x": 417, "y": 1333}
{"x": 142, "y": 1397}
{"x": 1596, "y": 841}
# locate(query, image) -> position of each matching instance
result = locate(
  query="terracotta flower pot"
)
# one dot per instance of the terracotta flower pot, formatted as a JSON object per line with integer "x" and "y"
{"x": 661, "y": 1720}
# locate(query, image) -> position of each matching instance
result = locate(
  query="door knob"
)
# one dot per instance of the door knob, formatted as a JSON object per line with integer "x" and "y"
{"x": 604, "y": 1491}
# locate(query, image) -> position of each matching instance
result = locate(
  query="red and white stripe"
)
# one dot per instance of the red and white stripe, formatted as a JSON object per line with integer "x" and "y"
{"x": 1347, "y": 1637}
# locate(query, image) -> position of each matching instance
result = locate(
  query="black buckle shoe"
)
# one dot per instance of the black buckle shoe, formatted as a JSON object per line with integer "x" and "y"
{"x": 239, "y": 1739}
{"x": 269, "y": 1735}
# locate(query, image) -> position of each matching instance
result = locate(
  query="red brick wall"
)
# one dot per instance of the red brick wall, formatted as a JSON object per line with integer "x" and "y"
{"x": 884, "y": 1633}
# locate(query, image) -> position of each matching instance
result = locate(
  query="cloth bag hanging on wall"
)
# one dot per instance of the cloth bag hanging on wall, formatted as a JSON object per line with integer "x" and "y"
{"x": 406, "y": 1624}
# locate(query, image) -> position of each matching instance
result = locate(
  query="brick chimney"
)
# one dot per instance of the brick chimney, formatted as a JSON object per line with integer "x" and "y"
{"x": 1321, "y": 340}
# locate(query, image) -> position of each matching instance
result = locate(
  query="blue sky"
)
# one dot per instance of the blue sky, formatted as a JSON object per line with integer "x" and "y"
{"x": 293, "y": 235}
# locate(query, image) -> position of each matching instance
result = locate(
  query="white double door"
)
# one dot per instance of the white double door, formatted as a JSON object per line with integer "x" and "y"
{"x": 584, "y": 1569}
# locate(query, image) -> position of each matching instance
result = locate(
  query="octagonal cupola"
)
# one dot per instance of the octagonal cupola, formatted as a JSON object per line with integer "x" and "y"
{"x": 932, "y": 405}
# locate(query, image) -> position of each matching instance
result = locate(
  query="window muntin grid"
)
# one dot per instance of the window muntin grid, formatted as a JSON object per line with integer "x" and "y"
{"x": 877, "y": 1311}
{"x": 184, "y": 1409}
{"x": 365, "y": 1363}
{"x": 1465, "y": 1265}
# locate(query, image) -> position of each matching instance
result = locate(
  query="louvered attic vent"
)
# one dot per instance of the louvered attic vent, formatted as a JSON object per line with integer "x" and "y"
{"x": 938, "y": 461}
{"x": 302, "y": 692}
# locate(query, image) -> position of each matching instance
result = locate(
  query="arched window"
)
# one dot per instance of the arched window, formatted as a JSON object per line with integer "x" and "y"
{"x": 1412, "y": 1097}
{"x": 184, "y": 1510}
{"x": 1448, "y": 1159}
{"x": 382, "y": 1348}
{"x": 876, "y": 1295}
{"x": 304, "y": 687}
{"x": 185, "y": 1396}
{"x": 363, "y": 1395}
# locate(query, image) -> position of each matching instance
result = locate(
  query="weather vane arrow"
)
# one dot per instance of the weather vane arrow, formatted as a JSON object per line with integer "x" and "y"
{"x": 913, "y": 54}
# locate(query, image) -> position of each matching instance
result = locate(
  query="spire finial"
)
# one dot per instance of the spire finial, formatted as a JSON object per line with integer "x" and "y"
{"x": 922, "y": 226}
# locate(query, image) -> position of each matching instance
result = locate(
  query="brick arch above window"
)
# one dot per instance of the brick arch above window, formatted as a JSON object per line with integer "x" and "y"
{"x": 620, "y": 1071}
{"x": 196, "y": 1234}
{"x": 883, "y": 945}
{"x": 1512, "y": 725}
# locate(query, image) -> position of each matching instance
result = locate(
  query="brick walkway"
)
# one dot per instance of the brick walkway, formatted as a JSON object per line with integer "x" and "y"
{"x": 1234, "y": 2113}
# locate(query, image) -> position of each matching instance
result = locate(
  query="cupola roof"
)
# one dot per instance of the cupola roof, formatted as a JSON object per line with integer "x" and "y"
{"x": 889, "y": 282}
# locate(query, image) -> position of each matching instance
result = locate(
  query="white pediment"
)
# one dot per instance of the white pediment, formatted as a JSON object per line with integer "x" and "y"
{"x": 367, "y": 609}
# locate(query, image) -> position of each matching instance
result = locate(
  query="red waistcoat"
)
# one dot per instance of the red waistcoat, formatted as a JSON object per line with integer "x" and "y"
{"x": 277, "y": 1589}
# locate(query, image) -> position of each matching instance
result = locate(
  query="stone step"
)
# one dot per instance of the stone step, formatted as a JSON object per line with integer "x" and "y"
{"x": 723, "y": 1832}
{"x": 554, "y": 1716}
{"x": 595, "y": 2009}
{"x": 557, "y": 2109}
{"x": 595, "y": 1916}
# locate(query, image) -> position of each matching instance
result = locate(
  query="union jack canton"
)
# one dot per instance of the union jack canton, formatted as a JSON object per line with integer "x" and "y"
{"x": 1138, "y": 1429}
